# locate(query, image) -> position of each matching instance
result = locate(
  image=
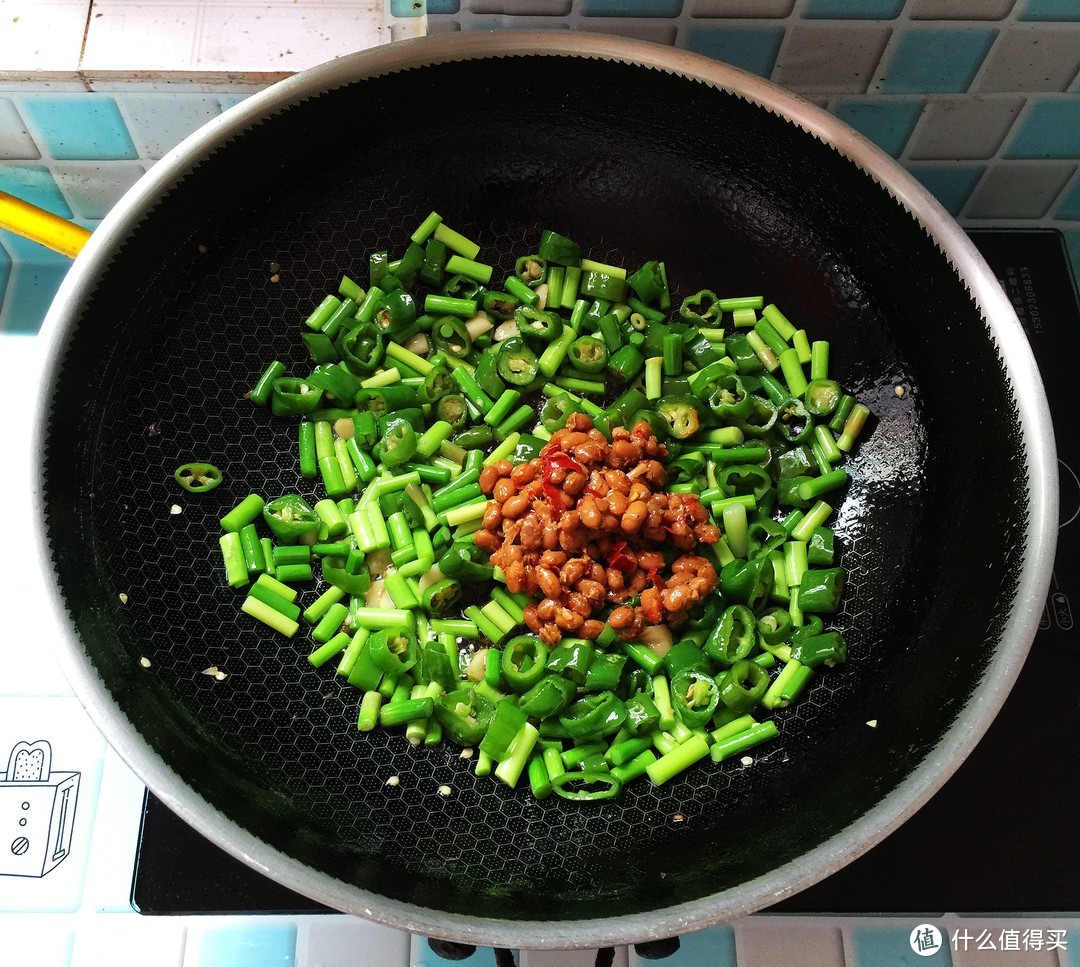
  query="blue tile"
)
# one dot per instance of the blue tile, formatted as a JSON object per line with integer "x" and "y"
{"x": 1072, "y": 937}
{"x": 259, "y": 945}
{"x": 631, "y": 8}
{"x": 5, "y": 273}
{"x": 1050, "y": 129}
{"x": 159, "y": 122}
{"x": 1050, "y": 10}
{"x": 853, "y": 9}
{"x": 888, "y": 123}
{"x": 15, "y": 141}
{"x": 79, "y": 126}
{"x": 231, "y": 100}
{"x": 714, "y": 947}
{"x": 406, "y": 8}
{"x": 951, "y": 185}
{"x": 34, "y": 184}
{"x": 937, "y": 60}
{"x": 443, "y": 6}
{"x": 754, "y": 49}
{"x": 1069, "y": 206}
{"x": 891, "y": 947}
{"x": 35, "y": 275}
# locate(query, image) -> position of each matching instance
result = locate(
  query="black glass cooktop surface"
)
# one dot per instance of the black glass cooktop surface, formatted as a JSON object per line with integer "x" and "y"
{"x": 998, "y": 838}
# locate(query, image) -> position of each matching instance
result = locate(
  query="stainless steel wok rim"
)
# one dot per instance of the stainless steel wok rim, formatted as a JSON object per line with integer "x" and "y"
{"x": 873, "y": 826}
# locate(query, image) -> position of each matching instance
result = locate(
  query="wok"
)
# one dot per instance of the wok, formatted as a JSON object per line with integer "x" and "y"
{"x": 638, "y": 152}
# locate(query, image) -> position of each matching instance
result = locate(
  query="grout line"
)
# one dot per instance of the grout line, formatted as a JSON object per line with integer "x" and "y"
{"x": 82, "y": 47}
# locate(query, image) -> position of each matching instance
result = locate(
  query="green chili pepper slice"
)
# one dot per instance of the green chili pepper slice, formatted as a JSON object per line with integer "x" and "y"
{"x": 362, "y": 349}
{"x": 594, "y": 716}
{"x": 747, "y": 582}
{"x": 197, "y": 478}
{"x": 824, "y": 649}
{"x": 451, "y": 336}
{"x": 398, "y": 443}
{"x": 290, "y": 396}
{"x": 499, "y": 305}
{"x": 393, "y": 651}
{"x": 517, "y": 363}
{"x": 538, "y": 323}
{"x": 290, "y": 517}
{"x": 822, "y": 396}
{"x": 701, "y": 309}
{"x": 642, "y": 714}
{"x": 522, "y": 662}
{"x": 681, "y": 415}
{"x": 464, "y": 715}
{"x": 571, "y": 660}
{"x": 465, "y": 562}
{"x": 820, "y": 589}
{"x": 695, "y": 697}
{"x": 442, "y": 596}
{"x": 548, "y": 697}
{"x": 588, "y": 354}
{"x": 586, "y": 786}
{"x": 395, "y": 313}
{"x": 734, "y": 637}
{"x": 531, "y": 269}
{"x": 743, "y": 686}
{"x": 559, "y": 249}
{"x": 744, "y": 479}
{"x": 453, "y": 410}
{"x": 437, "y": 384}
{"x": 794, "y": 421}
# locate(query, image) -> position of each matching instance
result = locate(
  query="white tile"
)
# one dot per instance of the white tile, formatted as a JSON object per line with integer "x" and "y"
{"x": 1019, "y": 189}
{"x": 54, "y": 819}
{"x": 37, "y": 941}
{"x": 116, "y": 841}
{"x": 766, "y": 941}
{"x": 228, "y": 35}
{"x": 568, "y": 958}
{"x": 16, "y": 144}
{"x": 41, "y": 35}
{"x": 128, "y": 940}
{"x": 334, "y": 941}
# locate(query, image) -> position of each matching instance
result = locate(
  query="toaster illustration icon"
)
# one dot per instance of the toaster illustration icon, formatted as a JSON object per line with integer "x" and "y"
{"x": 37, "y": 811}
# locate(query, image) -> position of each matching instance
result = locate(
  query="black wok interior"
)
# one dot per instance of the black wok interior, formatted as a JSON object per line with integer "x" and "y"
{"x": 635, "y": 164}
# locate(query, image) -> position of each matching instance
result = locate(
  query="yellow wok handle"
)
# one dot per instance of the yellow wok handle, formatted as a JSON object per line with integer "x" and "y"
{"x": 40, "y": 226}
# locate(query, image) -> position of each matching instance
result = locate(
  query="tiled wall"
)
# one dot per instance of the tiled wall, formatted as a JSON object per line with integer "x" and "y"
{"x": 980, "y": 99}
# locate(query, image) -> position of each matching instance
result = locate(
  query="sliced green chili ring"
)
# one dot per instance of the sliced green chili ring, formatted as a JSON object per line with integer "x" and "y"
{"x": 437, "y": 384}
{"x": 695, "y": 696}
{"x": 290, "y": 517}
{"x": 538, "y": 323}
{"x": 747, "y": 582}
{"x": 522, "y": 662}
{"x": 594, "y": 716}
{"x": 362, "y": 349}
{"x": 290, "y": 396}
{"x": 701, "y": 309}
{"x": 586, "y": 786}
{"x": 531, "y": 269}
{"x": 548, "y": 697}
{"x": 794, "y": 422}
{"x": 556, "y": 411}
{"x": 571, "y": 659}
{"x": 453, "y": 410}
{"x": 681, "y": 415}
{"x": 441, "y": 597}
{"x": 828, "y": 648}
{"x": 465, "y": 562}
{"x": 600, "y": 285}
{"x": 822, "y": 396}
{"x": 760, "y": 419}
{"x": 197, "y": 478}
{"x": 728, "y": 398}
{"x": 451, "y": 336}
{"x": 642, "y": 716}
{"x": 648, "y": 282}
{"x": 734, "y": 637}
{"x": 517, "y": 363}
{"x": 335, "y": 571}
{"x": 775, "y": 626}
{"x": 395, "y": 313}
{"x": 398, "y": 444}
{"x": 393, "y": 651}
{"x": 605, "y": 672}
{"x": 743, "y": 686}
{"x": 499, "y": 305}
{"x": 464, "y": 715}
{"x": 742, "y": 479}
{"x": 588, "y": 354}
